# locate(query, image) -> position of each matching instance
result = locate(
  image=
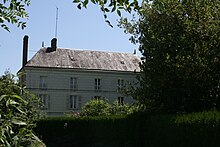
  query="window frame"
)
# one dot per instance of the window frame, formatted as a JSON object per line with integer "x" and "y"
{"x": 121, "y": 100}
{"x": 73, "y": 83}
{"x": 43, "y": 82}
{"x": 44, "y": 100}
{"x": 121, "y": 83}
{"x": 74, "y": 102}
{"x": 98, "y": 84}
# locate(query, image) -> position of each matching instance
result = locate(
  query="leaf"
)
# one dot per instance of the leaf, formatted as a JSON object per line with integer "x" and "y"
{"x": 109, "y": 23}
{"x": 79, "y": 6}
{"x": 106, "y": 10}
{"x": 85, "y": 3}
{"x": 2, "y": 97}
{"x": 18, "y": 122}
{"x": 119, "y": 13}
{"x": 76, "y": 1}
{"x": 105, "y": 16}
{"x": 19, "y": 98}
{"x": 113, "y": 9}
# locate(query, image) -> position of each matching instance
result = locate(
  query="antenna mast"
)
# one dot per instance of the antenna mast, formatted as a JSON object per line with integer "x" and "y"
{"x": 56, "y": 23}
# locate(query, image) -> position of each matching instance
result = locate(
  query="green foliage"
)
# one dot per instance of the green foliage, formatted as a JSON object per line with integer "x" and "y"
{"x": 103, "y": 108}
{"x": 118, "y": 109}
{"x": 96, "y": 108}
{"x": 202, "y": 119}
{"x": 13, "y": 11}
{"x": 180, "y": 44}
{"x": 18, "y": 111}
{"x": 139, "y": 129}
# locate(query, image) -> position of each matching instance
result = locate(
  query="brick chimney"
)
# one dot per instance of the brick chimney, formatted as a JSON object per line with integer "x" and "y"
{"x": 25, "y": 50}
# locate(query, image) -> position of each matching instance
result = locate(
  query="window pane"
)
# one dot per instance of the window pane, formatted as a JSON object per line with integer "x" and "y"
{"x": 43, "y": 82}
{"x": 73, "y": 83}
{"x": 73, "y": 102}
{"x": 97, "y": 84}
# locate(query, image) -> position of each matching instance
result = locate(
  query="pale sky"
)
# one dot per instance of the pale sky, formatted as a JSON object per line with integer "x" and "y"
{"x": 77, "y": 29}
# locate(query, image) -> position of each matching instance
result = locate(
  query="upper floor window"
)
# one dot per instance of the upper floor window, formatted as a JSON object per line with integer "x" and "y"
{"x": 75, "y": 102}
{"x": 121, "y": 100}
{"x": 73, "y": 83}
{"x": 43, "y": 82}
{"x": 120, "y": 84}
{"x": 97, "y": 84}
{"x": 45, "y": 100}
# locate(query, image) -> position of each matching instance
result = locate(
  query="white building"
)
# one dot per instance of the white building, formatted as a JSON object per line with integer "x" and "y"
{"x": 65, "y": 79}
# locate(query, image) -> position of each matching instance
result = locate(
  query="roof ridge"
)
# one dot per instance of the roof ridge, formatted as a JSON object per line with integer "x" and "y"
{"x": 89, "y": 50}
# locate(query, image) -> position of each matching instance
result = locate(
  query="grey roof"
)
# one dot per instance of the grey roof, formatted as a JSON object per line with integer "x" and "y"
{"x": 85, "y": 59}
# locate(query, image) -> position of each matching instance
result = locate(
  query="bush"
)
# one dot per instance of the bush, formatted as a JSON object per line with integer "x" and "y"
{"x": 103, "y": 108}
{"x": 96, "y": 108}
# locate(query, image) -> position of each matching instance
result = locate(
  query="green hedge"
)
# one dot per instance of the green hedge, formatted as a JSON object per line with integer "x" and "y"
{"x": 150, "y": 130}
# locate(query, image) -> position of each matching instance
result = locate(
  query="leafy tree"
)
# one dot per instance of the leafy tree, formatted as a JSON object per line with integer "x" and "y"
{"x": 13, "y": 11}
{"x": 18, "y": 111}
{"x": 180, "y": 44}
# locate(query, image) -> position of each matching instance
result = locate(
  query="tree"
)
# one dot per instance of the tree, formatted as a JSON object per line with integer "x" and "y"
{"x": 180, "y": 44}
{"x": 18, "y": 112}
{"x": 13, "y": 11}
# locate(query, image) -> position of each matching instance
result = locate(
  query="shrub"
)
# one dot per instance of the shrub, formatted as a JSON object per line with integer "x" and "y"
{"x": 96, "y": 108}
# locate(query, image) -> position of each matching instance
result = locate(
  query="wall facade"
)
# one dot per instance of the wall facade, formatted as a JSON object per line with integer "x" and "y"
{"x": 65, "y": 90}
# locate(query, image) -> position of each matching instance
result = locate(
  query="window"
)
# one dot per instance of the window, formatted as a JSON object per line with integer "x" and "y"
{"x": 75, "y": 102}
{"x": 43, "y": 82}
{"x": 73, "y": 83}
{"x": 45, "y": 101}
{"x": 120, "y": 84}
{"x": 97, "y": 84}
{"x": 121, "y": 100}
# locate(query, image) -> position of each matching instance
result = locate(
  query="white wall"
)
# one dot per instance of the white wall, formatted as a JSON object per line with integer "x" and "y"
{"x": 58, "y": 85}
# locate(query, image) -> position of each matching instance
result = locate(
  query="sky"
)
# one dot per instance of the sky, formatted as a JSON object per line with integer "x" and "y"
{"x": 77, "y": 29}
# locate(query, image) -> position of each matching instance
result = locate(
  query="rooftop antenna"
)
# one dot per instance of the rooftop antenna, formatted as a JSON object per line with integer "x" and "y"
{"x": 56, "y": 23}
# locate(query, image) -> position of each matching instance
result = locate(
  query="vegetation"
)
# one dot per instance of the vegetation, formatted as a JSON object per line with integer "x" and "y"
{"x": 140, "y": 129}
{"x": 101, "y": 107}
{"x": 13, "y": 11}
{"x": 179, "y": 41}
{"x": 18, "y": 112}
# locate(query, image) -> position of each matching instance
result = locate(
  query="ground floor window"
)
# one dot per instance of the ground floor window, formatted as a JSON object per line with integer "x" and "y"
{"x": 45, "y": 100}
{"x": 75, "y": 102}
{"x": 121, "y": 100}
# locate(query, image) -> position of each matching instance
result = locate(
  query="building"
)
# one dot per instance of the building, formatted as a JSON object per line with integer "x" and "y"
{"x": 65, "y": 79}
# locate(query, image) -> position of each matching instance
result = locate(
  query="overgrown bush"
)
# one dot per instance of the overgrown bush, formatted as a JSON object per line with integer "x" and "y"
{"x": 18, "y": 111}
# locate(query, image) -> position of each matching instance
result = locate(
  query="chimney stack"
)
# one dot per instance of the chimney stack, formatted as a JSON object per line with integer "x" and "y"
{"x": 25, "y": 50}
{"x": 53, "y": 45}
